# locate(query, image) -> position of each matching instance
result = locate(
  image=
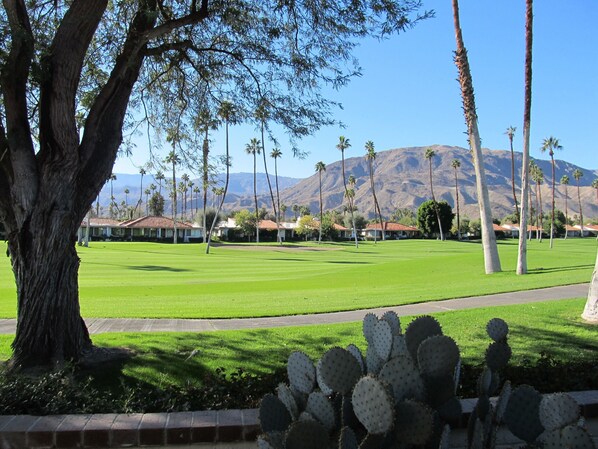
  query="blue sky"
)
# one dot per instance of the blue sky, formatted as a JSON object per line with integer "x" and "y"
{"x": 408, "y": 94}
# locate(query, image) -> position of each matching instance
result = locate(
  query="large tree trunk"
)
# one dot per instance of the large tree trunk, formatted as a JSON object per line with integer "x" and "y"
{"x": 491, "y": 258}
{"x": 46, "y": 189}
{"x": 590, "y": 312}
{"x": 50, "y": 329}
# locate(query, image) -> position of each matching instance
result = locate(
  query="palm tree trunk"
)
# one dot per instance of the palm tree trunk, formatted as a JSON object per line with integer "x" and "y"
{"x": 513, "y": 179}
{"x": 321, "y": 211}
{"x": 590, "y": 311}
{"x": 580, "y": 211}
{"x": 566, "y": 212}
{"x": 457, "y": 205}
{"x": 205, "y": 181}
{"x": 491, "y": 257}
{"x": 221, "y": 203}
{"x": 349, "y": 200}
{"x": 257, "y": 215}
{"x": 174, "y": 205}
{"x": 376, "y": 205}
{"x": 435, "y": 204}
{"x": 552, "y": 209}
{"x": 277, "y": 211}
{"x": 527, "y": 109}
{"x": 278, "y": 239}
{"x": 540, "y": 213}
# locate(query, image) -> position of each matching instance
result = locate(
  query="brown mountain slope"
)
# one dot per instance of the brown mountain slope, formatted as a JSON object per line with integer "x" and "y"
{"x": 402, "y": 180}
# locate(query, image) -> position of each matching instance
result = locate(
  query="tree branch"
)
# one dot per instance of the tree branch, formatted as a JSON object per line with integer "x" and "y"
{"x": 18, "y": 163}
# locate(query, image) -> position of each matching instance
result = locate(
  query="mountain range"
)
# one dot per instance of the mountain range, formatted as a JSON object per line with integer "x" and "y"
{"x": 402, "y": 181}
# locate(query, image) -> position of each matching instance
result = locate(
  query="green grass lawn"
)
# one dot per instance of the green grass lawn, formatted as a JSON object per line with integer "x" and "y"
{"x": 552, "y": 327}
{"x": 149, "y": 280}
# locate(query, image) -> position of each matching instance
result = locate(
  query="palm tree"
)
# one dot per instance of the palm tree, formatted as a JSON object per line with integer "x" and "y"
{"x": 190, "y": 185}
{"x": 595, "y": 186}
{"x": 275, "y": 154}
{"x": 147, "y": 194}
{"x": 183, "y": 185}
{"x": 342, "y": 145}
{"x": 491, "y": 258}
{"x": 577, "y": 174}
{"x": 371, "y": 157}
{"x": 112, "y": 178}
{"x": 538, "y": 176}
{"x": 227, "y": 114}
{"x": 510, "y": 132}
{"x": 261, "y": 114}
{"x": 173, "y": 159}
{"x": 565, "y": 182}
{"x": 550, "y": 144}
{"x": 457, "y": 164}
{"x": 320, "y": 167}
{"x": 160, "y": 177}
{"x": 196, "y": 190}
{"x": 254, "y": 148}
{"x": 127, "y": 191}
{"x": 295, "y": 209}
{"x": 283, "y": 211}
{"x": 142, "y": 172}
{"x": 527, "y": 113}
{"x": 429, "y": 154}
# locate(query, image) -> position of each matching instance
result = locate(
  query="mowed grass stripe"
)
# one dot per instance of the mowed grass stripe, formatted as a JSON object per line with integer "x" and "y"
{"x": 148, "y": 280}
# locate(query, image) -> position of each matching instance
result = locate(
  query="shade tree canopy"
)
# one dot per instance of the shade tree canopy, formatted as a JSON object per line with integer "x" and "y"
{"x": 75, "y": 78}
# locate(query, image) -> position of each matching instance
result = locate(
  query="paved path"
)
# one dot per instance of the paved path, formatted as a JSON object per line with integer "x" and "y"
{"x": 102, "y": 325}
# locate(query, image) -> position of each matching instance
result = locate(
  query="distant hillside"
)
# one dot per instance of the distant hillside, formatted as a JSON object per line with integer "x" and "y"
{"x": 240, "y": 184}
{"x": 402, "y": 180}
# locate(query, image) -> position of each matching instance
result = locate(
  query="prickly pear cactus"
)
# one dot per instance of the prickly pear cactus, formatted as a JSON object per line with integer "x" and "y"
{"x": 418, "y": 330}
{"x": 301, "y": 372}
{"x": 437, "y": 356}
{"x": 522, "y": 413}
{"x": 414, "y": 422}
{"x": 392, "y": 318}
{"x": 373, "y": 405}
{"x": 340, "y": 370}
{"x": 274, "y": 416}
{"x": 558, "y": 410}
{"x": 497, "y": 329}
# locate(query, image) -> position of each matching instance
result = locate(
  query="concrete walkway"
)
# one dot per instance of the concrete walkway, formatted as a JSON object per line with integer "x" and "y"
{"x": 102, "y": 325}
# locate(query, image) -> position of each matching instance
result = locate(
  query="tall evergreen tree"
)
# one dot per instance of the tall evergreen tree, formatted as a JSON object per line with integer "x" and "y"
{"x": 510, "y": 132}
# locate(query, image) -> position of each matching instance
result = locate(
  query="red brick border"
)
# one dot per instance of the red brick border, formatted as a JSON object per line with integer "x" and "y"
{"x": 160, "y": 429}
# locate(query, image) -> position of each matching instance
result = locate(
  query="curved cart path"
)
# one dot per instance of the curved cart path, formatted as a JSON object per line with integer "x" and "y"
{"x": 102, "y": 325}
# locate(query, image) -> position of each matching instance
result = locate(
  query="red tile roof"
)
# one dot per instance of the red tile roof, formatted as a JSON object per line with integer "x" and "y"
{"x": 390, "y": 226}
{"x": 268, "y": 225}
{"x": 154, "y": 222}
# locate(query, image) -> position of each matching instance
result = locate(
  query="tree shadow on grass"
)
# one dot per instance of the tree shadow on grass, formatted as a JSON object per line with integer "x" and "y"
{"x": 541, "y": 270}
{"x": 348, "y": 262}
{"x": 158, "y": 268}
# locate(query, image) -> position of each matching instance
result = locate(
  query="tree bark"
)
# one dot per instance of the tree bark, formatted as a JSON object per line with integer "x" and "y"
{"x": 590, "y": 312}
{"x": 491, "y": 258}
{"x": 50, "y": 329}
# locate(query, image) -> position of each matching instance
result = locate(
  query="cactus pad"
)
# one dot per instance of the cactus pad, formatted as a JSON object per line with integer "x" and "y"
{"x": 286, "y": 397}
{"x": 451, "y": 410}
{"x": 340, "y": 370}
{"x": 321, "y": 409}
{"x": 373, "y": 405}
{"x": 399, "y": 347}
{"x": 503, "y": 400}
{"x": 382, "y": 339}
{"x": 392, "y": 318}
{"x": 273, "y": 414}
{"x": 355, "y": 352}
{"x": 301, "y": 372}
{"x": 570, "y": 437}
{"x": 437, "y": 356}
{"x": 498, "y": 355}
{"x": 273, "y": 440}
{"x": 347, "y": 439}
{"x": 307, "y": 435}
{"x": 522, "y": 413}
{"x": 373, "y": 361}
{"x": 558, "y": 410}
{"x": 414, "y": 422}
{"x": 418, "y": 330}
{"x": 323, "y": 387}
{"x": 369, "y": 321}
{"x": 497, "y": 329}
{"x": 404, "y": 378}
